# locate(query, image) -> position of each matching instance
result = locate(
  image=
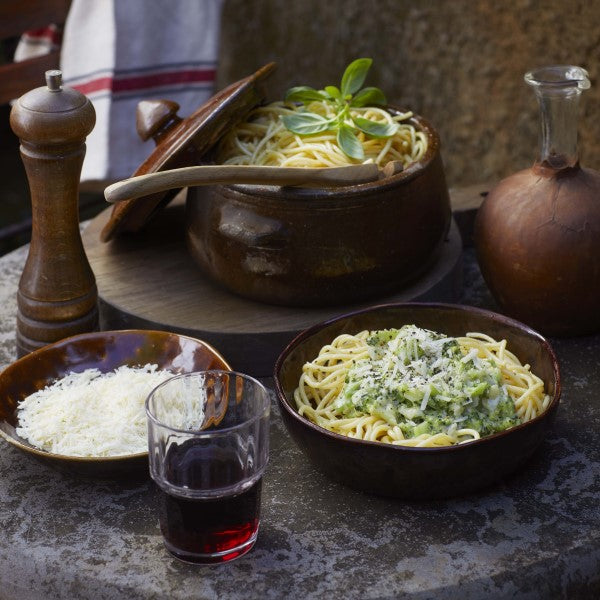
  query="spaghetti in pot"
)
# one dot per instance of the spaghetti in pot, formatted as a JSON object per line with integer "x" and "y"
{"x": 389, "y": 386}
{"x": 263, "y": 140}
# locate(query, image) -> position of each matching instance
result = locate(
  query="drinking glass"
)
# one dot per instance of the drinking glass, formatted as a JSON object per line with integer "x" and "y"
{"x": 208, "y": 441}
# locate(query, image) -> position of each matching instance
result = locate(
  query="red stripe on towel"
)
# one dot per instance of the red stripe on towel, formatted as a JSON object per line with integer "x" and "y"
{"x": 141, "y": 82}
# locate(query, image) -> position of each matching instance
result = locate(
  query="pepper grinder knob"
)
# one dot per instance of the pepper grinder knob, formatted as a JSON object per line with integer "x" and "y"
{"x": 54, "y": 80}
{"x": 57, "y": 295}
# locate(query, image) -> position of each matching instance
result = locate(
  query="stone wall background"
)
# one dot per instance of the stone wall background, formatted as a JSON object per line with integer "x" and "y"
{"x": 459, "y": 63}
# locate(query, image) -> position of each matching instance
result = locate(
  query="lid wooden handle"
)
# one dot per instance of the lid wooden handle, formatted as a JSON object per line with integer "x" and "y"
{"x": 154, "y": 118}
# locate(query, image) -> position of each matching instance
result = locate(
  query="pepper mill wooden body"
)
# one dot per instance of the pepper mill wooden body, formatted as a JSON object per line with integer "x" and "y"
{"x": 57, "y": 295}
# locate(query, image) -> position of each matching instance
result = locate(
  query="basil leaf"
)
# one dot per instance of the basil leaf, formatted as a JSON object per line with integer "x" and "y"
{"x": 306, "y": 123}
{"x": 354, "y": 76}
{"x": 374, "y": 129}
{"x": 333, "y": 92}
{"x": 368, "y": 97}
{"x": 349, "y": 143}
{"x": 305, "y": 94}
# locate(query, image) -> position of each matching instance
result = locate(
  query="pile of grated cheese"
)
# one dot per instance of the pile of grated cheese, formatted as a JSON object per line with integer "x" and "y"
{"x": 91, "y": 413}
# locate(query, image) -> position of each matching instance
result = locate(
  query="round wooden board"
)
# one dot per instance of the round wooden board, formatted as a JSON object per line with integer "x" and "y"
{"x": 147, "y": 280}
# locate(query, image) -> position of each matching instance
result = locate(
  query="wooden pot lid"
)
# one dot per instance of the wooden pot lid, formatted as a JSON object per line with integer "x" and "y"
{"x": 182, "y": 142}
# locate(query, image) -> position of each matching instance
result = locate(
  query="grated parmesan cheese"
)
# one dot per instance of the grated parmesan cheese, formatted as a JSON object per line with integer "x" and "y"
{"x": 91, "y": 413}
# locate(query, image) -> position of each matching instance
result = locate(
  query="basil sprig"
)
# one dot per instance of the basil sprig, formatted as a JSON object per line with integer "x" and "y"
{"x": 348, "y": 95}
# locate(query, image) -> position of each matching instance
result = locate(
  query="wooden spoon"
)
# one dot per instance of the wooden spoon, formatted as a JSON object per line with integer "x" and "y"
{"x": 144, "y": 185}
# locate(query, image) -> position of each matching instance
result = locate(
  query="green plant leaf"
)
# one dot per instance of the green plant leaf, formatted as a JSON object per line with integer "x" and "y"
{"x": 304, "y": 93}
{"x": 374, "y": 129}
{"x": 333, "y": 92}
{"x": 348, "y": 95}
{"x": 354, "y": 76}
{"x": 369, "y": 96}
{"x": 306, "y": 123}
{"x": 349, "y": 143}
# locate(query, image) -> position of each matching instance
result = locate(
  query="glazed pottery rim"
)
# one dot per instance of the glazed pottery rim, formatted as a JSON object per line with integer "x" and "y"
{"x": 413, "y": 171}
{"x": 106, "y": 460}
{"x": 309, "y": 332}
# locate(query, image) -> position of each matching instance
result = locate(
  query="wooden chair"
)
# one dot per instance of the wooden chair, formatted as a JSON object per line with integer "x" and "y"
{"x": 16, "y": 17}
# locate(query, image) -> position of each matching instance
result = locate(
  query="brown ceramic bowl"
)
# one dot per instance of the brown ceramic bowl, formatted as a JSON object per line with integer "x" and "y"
{"x": 318, "y": 246}
{"x": 418, "y": 473}
{"x": 105, "y": 351}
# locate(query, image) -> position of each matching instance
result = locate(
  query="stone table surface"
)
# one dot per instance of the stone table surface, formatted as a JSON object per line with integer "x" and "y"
{"x": 534, "y": 536}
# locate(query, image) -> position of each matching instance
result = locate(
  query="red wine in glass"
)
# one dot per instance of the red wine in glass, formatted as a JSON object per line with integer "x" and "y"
{"x": 208, "y": 529}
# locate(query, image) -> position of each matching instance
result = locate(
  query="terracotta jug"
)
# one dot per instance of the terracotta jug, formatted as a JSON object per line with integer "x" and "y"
{"x": 537, "y": 234}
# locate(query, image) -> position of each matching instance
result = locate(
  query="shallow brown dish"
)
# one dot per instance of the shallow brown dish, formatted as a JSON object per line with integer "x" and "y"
{"x": 105, "y": 351}
{"x": 418, "y": 473}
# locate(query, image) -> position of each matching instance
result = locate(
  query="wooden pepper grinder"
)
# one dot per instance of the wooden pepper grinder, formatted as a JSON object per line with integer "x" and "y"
{"x": 57, "y": 294}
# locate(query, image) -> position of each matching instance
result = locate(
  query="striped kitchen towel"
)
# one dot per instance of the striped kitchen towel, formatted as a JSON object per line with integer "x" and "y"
{"x": 120, "y": 52}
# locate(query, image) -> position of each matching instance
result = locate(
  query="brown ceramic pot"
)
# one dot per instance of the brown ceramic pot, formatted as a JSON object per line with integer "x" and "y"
{"x": 284, "y": 245}
{"x": 304, "y": 247}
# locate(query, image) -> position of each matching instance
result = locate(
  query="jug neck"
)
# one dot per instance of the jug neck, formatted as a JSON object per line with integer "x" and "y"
{"x": 558, "y": 89}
